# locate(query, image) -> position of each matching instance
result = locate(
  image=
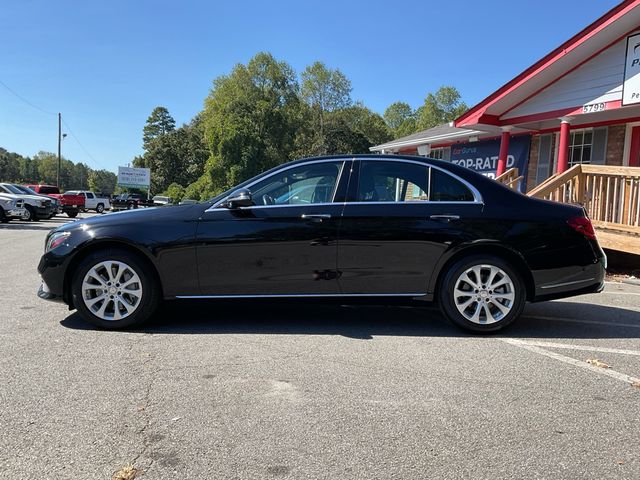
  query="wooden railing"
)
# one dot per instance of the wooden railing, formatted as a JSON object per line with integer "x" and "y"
{"x": 510, "y": 178}
{"x": 610, "y": 195}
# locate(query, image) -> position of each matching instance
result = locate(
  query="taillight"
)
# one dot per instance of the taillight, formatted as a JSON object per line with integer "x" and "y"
{"x": 582, "y": 225}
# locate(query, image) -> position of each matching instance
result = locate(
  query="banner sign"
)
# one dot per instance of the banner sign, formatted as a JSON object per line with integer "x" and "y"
{"x": 482, "y": 156}
{"x": 134, "y": 177}
{"x": 631, "y": 83}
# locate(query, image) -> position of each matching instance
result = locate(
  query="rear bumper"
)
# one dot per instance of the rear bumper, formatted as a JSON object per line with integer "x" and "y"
{"x": 569, "y": 281}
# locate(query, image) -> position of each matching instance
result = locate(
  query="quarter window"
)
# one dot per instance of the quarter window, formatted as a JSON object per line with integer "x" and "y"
{"x": 303, "y": 185}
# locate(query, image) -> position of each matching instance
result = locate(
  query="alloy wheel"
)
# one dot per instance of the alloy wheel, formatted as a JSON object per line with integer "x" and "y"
{"x": 112, "y": 290}
{"x": 484, "y": 294}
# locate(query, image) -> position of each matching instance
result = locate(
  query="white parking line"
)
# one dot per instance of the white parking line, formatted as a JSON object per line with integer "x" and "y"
{"x": 573, "y": 347}
{"x": 572, "y": 361}
{"x": 573, "y": 320}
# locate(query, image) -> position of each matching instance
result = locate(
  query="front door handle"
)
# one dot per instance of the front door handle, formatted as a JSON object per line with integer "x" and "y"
{"x": 444, "y": 218}
{"x": 316, "y": 217}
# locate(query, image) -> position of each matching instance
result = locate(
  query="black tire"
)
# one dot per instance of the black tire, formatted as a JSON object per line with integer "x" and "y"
{"x": 447, "y": 298}
{"x": 72, "y": 214}
{"x": 31, "y": 214}
{"x": 3, "y": 216}
{"x": 147, "y": 305}
{"x": 100, "y": 208}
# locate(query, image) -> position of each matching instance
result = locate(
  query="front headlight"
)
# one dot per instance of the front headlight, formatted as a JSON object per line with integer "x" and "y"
{"x": 39, "y": 203}
{"x": 55, "y": 240}
{"x": 6, "y": 203}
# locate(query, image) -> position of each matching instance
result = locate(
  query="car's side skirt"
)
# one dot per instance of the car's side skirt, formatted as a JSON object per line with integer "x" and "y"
{"x": 304, "y": 295}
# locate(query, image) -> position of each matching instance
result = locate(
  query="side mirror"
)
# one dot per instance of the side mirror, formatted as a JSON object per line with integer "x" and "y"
{"x": 239, "y": 198}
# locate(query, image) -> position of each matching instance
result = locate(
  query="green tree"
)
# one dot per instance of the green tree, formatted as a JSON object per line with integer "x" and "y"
{"x": 102, "y": 181}
{"x": 400, "y": 118}
{"x": 250, "y": 121}
{"x": 9, "y": 166}
{"x": 441, "y": 107}
{"x": 160, "y": 122}
{"x": 325, "y": 90}
{"x": 178, "y": 156}
{"x": 175, "y": 191}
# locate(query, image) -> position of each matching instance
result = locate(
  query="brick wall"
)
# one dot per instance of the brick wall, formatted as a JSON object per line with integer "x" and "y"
{"x": 615, "y": 144}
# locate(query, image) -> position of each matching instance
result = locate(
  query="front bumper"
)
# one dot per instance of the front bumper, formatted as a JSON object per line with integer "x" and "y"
{"x": 46, "y": 294}
{"x": 44, "y": 212}
{"x": 16, "y": 213}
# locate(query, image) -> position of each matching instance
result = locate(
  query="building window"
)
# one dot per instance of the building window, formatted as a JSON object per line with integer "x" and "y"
{"x": 440, "y": 153}
{"x": 580, "y": 146}
{"x": 436, "y": 153}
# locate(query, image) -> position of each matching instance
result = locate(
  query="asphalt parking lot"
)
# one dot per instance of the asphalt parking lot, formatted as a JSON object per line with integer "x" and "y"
{"x": 230, "y": 390}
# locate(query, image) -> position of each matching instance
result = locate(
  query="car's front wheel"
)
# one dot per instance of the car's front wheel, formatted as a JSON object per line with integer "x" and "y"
{"x": 113, "y": 289}
{"x": 482, "y": 293}
{"x": 100, "y": 208}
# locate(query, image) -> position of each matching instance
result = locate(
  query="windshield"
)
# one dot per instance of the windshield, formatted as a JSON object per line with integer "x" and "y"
{"x": 12, "y": 189}
{"x": 26, "y": 190}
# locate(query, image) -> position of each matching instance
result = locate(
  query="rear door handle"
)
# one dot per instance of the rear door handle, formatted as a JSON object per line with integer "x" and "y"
{"x": 444, "y": 218}
{"x": 315, "y": 217}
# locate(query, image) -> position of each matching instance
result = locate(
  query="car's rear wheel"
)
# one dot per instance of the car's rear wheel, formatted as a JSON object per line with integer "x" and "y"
{"x": 100, "y": 208}
{"x": 113, "y": 289}
{"x": 72, "y": 214}
{"x": 482, "y": 293}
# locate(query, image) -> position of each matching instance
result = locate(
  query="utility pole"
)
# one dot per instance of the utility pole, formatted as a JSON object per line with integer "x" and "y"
{"x": 59, "y": 145}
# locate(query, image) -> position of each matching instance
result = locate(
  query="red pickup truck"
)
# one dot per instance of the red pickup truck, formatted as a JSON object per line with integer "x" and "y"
{"x": 69, "y": 203}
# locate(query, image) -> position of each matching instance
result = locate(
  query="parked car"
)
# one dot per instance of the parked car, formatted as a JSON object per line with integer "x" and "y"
{"x": 69, "y": 203}
{"x": 392, "y": 227}
{"x": 92, "y": 201}
{"x": 54, "y": 201}
{"x": 160, "y": 200}
{"x": 36, "y": 207}
{"x": 11, "y": 207}
{"x": 127, "y": 201}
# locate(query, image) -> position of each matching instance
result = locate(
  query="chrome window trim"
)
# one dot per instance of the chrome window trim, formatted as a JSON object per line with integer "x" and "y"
{"x": 478, "y": 200}
{"x": 303, "y": 295}
{"x": 477, "y": 196}
{"x": 326, "y": 160}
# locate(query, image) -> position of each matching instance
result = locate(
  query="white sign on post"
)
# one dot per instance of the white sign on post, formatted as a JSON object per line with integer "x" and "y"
{"x": 631, "y": 83}
{"x": 134, "y": 177}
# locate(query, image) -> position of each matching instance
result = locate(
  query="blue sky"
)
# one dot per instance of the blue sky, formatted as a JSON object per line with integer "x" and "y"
{"x": 106, "y": 65}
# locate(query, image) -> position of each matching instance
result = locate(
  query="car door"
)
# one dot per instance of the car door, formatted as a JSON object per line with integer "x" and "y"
{"x": 399, "y": 219}
{"x": 285, "y": 243}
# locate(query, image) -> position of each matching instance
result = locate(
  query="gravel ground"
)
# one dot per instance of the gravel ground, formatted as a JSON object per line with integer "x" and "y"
{"x": 246, "y": 390}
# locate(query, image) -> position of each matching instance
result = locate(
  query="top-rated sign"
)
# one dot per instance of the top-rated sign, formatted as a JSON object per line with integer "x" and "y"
{"x": 134, "y": 177}
{"x": 631, "y": 83}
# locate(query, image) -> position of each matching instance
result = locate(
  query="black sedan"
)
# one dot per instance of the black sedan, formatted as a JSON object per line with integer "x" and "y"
{"x": 338, "y": 227}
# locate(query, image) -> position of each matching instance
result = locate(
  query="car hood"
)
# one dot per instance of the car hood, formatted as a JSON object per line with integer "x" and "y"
{"x": 10, "y": 196}
{"x": 136, "y": 216}
{"x": 31, "y": 197}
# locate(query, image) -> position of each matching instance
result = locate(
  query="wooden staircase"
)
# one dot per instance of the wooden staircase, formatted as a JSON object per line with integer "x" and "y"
{"x": 610, "y": 196}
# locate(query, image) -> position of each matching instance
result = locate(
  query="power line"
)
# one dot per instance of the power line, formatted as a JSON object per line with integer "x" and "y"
{"x": 82, "y": 146}
{"x": 31, "y": 104}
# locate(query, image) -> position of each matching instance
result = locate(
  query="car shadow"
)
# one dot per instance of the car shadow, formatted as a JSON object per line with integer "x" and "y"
{"x": 549, "y": 320}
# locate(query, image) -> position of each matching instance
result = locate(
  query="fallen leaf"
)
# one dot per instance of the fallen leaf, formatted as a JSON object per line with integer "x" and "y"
{"x": 597, "y": 363}
{"x": 175, "y": 419}
{"x": 125, "y": 473}
{"x": 620, "y": 462}
{"x": 636, "y": 384}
